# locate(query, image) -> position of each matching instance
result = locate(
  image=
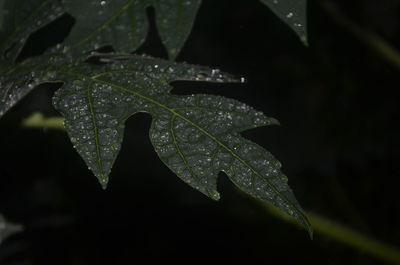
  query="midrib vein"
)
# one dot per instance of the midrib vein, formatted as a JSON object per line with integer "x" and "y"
{"x": 102, "y": 26}
{"x": 95, "y": 129}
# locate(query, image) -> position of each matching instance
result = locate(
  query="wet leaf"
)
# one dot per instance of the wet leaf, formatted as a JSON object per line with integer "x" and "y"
{"x": 196, "y": 136}
{"x": 124, "y": 23}
{"x": 17, "y": 80}
{"x": 20, "y": 18}
{"x": 293, "y": 13}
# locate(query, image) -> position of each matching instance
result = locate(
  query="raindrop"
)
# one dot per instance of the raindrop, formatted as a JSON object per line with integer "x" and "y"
{"x": 214, "y": 71}
{"x": 289, "y": 15}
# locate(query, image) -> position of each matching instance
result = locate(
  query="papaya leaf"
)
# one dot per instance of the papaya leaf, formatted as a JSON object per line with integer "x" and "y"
{"x": 124, "y": 24}
{"x": 293, "y": 13}
{"x": 20, "y": 18}
{"x": 196, "y": 136}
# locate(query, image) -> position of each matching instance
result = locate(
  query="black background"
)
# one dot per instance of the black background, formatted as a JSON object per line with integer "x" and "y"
{"x": 338, "y": 143}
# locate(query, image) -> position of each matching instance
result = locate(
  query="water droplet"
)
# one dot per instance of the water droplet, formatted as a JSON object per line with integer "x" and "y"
{"x": 215, "y": 71}
{"x": 289, "y": 15}
{"x": 214, "y": 195}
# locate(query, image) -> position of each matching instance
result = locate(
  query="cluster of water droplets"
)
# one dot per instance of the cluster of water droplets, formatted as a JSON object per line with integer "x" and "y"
{"x": 149, "y": 68}
{"x": 257, "y": 172}
{"x": 94, "y": 118}
{"x": 23, "y": 18}
{"x": 18, "y": 83}
{"x": 290, "y": 15}
{"x": 293, "y": 12}
{"x": 196, "y": 136}
{"x": 200, "y": 138}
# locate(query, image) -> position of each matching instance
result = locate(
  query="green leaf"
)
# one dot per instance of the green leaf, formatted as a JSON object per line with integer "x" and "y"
{"x": 20, "y": 18}
{"x": 123, "y": 23}
{"x": 17, "y": 80}
{"x": 196, "y": 136}
{"x": 293, "y": 13}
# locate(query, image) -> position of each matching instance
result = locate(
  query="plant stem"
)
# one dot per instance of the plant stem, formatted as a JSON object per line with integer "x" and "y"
{"x": 321, "y": 225}
{"x": 371, "y": 39}
{"x": 37, "y": 120}
{"x": 345, "y": 235}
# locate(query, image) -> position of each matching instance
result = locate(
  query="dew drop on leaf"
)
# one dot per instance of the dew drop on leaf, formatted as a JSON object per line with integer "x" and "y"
{"x": 293, "y": 13}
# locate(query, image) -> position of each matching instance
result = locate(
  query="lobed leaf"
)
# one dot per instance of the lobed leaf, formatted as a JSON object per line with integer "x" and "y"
{"x": 293, "y": 13}
{"x": 196, "y": 136}
{"x": 123, "y": 24}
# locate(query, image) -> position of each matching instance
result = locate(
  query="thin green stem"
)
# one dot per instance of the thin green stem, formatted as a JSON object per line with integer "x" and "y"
{"x": 371, "y": 39}
{"x": 321, "y": 225}
{"x": 37, "y": 120}
{"x": 340, "y": 233}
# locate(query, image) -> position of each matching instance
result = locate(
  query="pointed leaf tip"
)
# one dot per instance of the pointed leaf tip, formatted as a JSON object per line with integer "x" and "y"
{"x": 305, "y": 223}
{"x": 214, "y": 195}
{"x": 293, "y": 13}
{"x": 274, "y": 121}
{"x": 103, "y": 182}
{"x": 174, "y": 19}
{"x": 128, "y": 22}
{"x": 304, "y": 40}
{"x": 307, "y": 226}
{"x": 310, "y": 231}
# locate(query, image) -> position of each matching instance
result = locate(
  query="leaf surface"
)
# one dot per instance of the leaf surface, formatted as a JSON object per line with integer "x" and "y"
{"x": 20, "y": 18}
{"x": 124, "y": 24}
{"x": 293, "y": 13}
{"x": 196, "y": 136}
{"x": 17, "y": 80}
